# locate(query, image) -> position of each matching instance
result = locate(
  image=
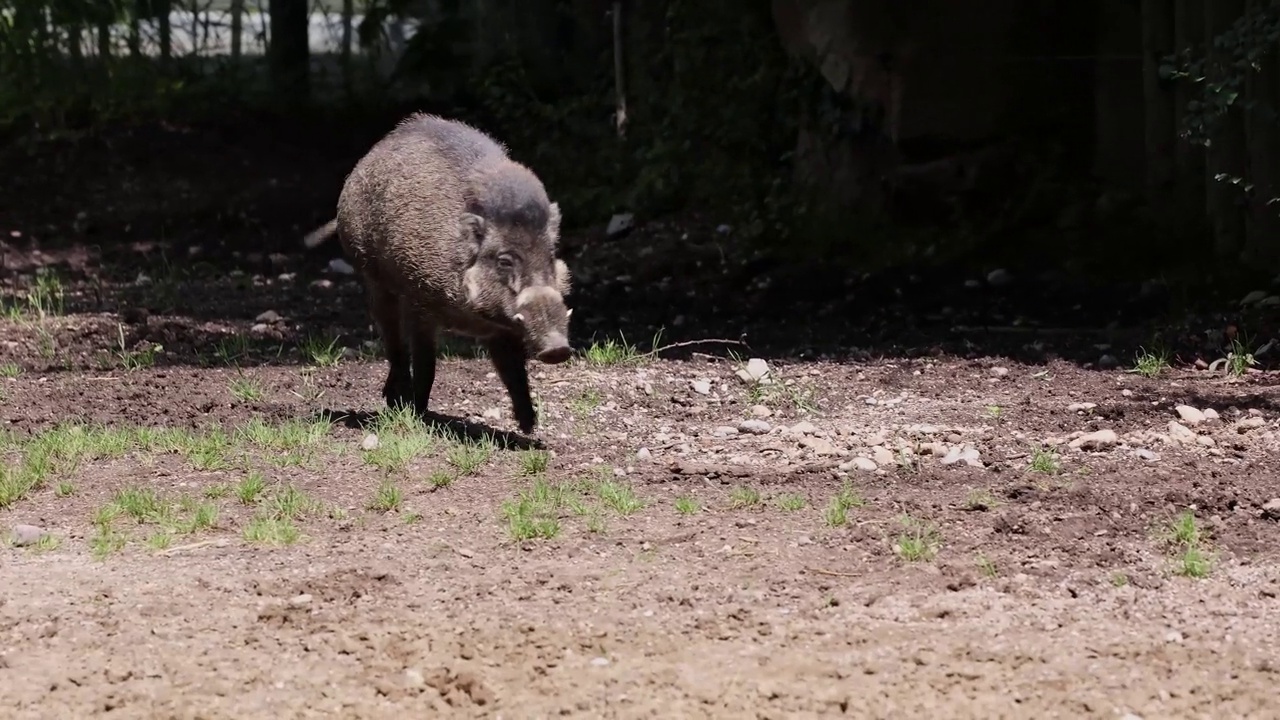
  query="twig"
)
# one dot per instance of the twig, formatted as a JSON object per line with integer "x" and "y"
{"x": 1020, "y": 329}
{"x": 832, "y": 573}
{"x": 192, "y": 546}
{"x": 688, "y": 343}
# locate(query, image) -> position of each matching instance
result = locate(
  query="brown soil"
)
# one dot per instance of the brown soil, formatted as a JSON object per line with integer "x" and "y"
{"x": 1042, "y": 592}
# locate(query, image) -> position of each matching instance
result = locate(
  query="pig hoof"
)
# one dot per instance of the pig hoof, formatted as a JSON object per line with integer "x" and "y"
{"x": 397, "y": 400}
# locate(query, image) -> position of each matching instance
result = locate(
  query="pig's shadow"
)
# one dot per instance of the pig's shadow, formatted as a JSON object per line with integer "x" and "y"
{"x": 455, "y": 428}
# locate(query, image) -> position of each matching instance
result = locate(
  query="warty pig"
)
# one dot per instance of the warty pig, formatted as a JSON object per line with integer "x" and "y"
{"x": 449, "y": 233}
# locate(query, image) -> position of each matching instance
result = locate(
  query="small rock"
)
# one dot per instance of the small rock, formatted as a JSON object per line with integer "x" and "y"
{"x": 370, "y": 442}
{"x": 1271, "y": 510}
{"x": 1145, "y": 454}
{"x": 413, "y": 678}
{"x": 599, "y": 661}
{"x": 999, "y": 372}
{"x": 1189, "y": 415}
{"x": 492, "y": 413}
{"x": 1211, "y": 414}
{"x": 756, "y": 371}
{"x": 1254, "y": 297}
{"x": 1108, "y": 362}
{"x": 322, "y": 284}
{"x": 966, "y": 454}
{"x": 26, "y": 535}
{"x": 1250, "y": 423}
{"x": 702, "y": 387}
{"x": 1100, "y": 440}
{"x": 1081, "y": 407}
{"x": 270, "y": 316}
{"x": 760, "y": 411}
{"x": 883, "y": 455}
{"x": 999, "y": 277}
{"x": 619, "y": 224}
{"x": 1173, "y": 636}
{"x": 260, "y": 328}
{"x": 1181, "y": 433}
{"x": 802, "y": 428}
{"x": 821, "y": 446}
{"x": 755, "y": 427}
{"x": 644, "y": 454}
{"x": 1205, "y": 441}
{"x": 934, "y": 448}
{"x": 342, "y": 267}
{"x": 725, "y": 431}
{"x": 300, "y": 600}
{"x": 865, "y": 464}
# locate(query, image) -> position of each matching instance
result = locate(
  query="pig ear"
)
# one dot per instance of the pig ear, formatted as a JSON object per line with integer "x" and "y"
{"x": 563, "y": 278}
{"x": 553, "y": 223}
{"x": 472, "y": 227}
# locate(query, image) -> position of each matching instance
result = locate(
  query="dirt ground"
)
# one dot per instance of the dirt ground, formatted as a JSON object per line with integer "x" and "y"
{"x": 903, "y": 517}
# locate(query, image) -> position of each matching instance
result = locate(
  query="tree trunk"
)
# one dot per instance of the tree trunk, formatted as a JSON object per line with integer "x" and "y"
{"x": 348, "y": 37}
{"x": 1227, "y": 154}
{"x": 619, "y": 71}
{"x": 1161, "y": 129}
{"x": 166, "y": 32}
{"x": 195, "y": 27}
{"x": 1188, "y": 158}
{"x": 1263, "y": 227}
{"x": 237, "y": 29}
{"x": 289, "y": 56}
{"x": 104, "y": 40}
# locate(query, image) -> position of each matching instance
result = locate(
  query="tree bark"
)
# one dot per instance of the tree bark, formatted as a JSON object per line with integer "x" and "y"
{"x": 348, "y": 37}
{"x": 166, "y": 32}
{"x": 1188, "y": 157}
{"x": 619, "y": 72}
{"x": 1263, "y": 224}
{"x": 104, "y": 40}
{"x": 237, "y": 29}
{"x": 288, "y": 55}
{"x": 1160, "y": 128}
{"x": 1227, "y": 154}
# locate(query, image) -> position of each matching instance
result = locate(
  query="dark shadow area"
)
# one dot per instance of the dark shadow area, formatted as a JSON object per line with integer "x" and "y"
{"x": 448, "y": 426}
{"x": 1263, "y": 401}
{"x": 189, "y": 237}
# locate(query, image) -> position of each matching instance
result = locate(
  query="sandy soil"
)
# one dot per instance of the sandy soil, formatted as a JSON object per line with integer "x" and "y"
{"x": 908, "y": 527}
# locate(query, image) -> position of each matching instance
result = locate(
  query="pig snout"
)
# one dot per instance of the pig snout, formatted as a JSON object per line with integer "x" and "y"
{"x": 555, "y": 349}
{"x": 545, "y": 321}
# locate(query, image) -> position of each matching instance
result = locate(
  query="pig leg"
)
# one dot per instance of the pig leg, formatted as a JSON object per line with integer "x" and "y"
{"x": 385, "y": 308}
{"x": 422, "y": 340}
{"x": 508, "y": 356}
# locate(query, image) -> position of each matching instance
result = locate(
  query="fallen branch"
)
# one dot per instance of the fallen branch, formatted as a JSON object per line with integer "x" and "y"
{"x": 832, "y": 573}
{"x": 690, "y": 343}
{"x": 711, "y": 470}
{"x": 192, "y": 546}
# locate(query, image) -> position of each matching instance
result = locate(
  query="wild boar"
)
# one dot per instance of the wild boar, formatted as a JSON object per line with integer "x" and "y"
{"x": 449, "y": 233}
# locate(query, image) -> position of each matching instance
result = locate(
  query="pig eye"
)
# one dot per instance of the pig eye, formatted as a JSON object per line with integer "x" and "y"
{"x": 505, "y": 263}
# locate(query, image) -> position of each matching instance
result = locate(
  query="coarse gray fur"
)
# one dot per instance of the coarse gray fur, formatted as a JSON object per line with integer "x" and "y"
{"x": 449, "y": 233}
